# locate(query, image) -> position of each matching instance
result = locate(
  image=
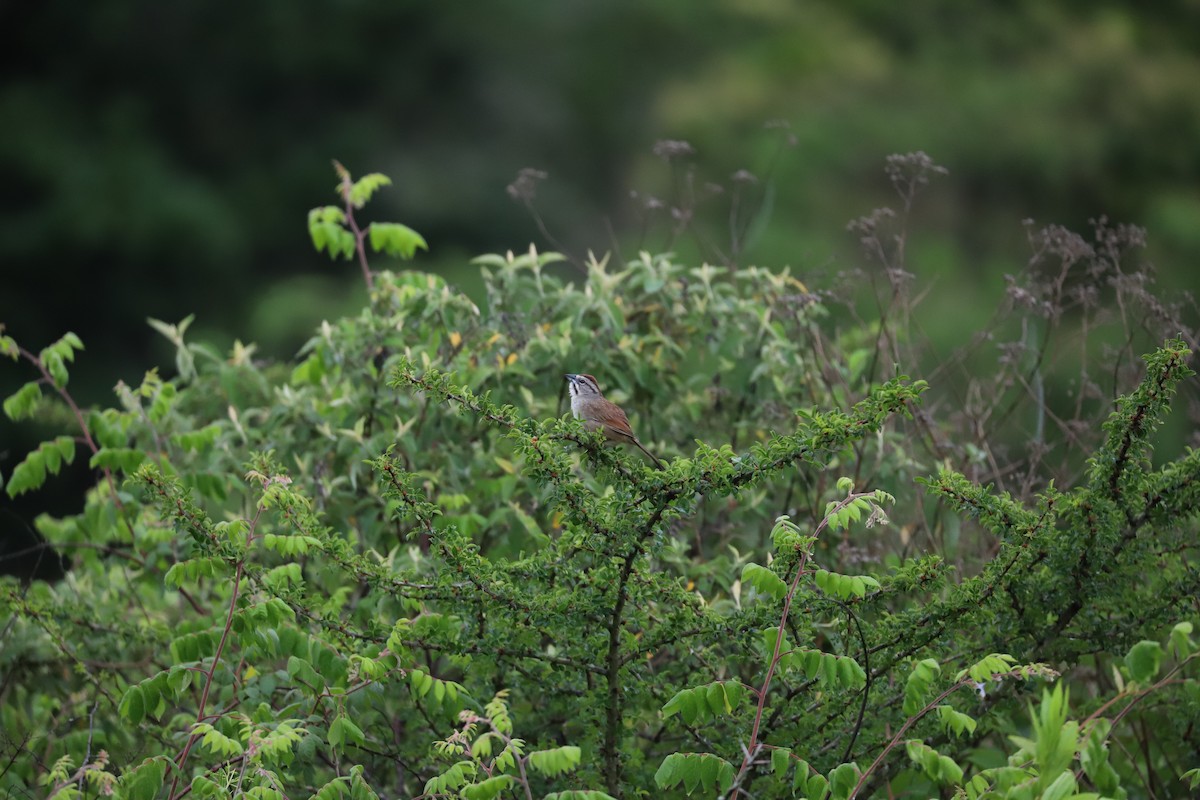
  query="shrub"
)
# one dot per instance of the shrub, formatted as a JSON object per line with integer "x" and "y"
{"x": 397, "y": 567}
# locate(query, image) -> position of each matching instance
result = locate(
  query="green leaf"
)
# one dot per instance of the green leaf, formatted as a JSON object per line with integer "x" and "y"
{"x": 133, "y": 705}
{"x": 844, "y": 587}
{"x": 456, "y": 776}
{"x": 843, "y": 779}
{"x": 704, "y": 702}
{"x": 709, "y": 772}
{"x": 830, "y": 669}
{"x": 938, "y": 767}
{"x": 555, "y": 762}
{"x": 203, "y": 787}
{"x": 144, "y": 781}
{"x": 55, "y": 357}
{"x": 283, "y": 576}
{"x": 1181, "y": 643}
{"x": 786, "y": 535}
{"x": 197, "y": 441}
{"x": 325, "y": 228}
{"x": 123, "y": 459}
{"x": 1093, "y": 757}
{"x": 263, "y": 793}
{"x": 781, "y": 760}
{"x": 309, "y": 371}
{"x": 420, "y": 682}
{"x": 217, "y": 743}
{"x": 398, "y": 241}
{"x": 288, "y": 545}
{"x": 849, "y": 673}
{"x": 302, "y": 671}
{"x": 22, "y": 403}
{"x": 106, "y": 428}
{"x": 162, "y": 400}
{"x": 343, "y": 731}
{"x": 764, "y": 581}
{"x": 816, "y": 787}
{"x": 488, "y": 789}
{"x": 1062, "y": 787}
{"x": 949, "y": 770}
{"x": 191, "y": 647}
{"x": 335, "y": 789}
{"x": 988, "y": 666}
{"x": 1192, "y": 776}
{"x": 1144, "y": 660}
{"x": 30, "y": 474}
{"x": 917, "y": 686}
{"x": 715, "y": 697}
{"x": 191, "y": 571}
{"x": 362, "y": 189}
{"x": 327, "y": 214}
{"x": 955, "y": 722}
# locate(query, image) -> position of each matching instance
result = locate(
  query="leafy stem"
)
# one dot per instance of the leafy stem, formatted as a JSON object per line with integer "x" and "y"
{"x": 181, "y": 760}
{"x": 804, "y": 548}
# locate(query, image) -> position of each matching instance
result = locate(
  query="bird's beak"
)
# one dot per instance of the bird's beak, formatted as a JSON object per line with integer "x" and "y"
{"x": 569, "y": 376}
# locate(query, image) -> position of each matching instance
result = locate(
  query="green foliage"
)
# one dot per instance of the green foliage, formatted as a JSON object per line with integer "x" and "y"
{"x": 54, "y": 358}
{"x": 705, "y": 702}
{"x": 842, "y": 516}
{"x": 362, "y": 189}
{"x": 396, "y": 240}
{"x": 49, "y": 457}
{"x": 938, "y": 767}
{"x": 144, "y": 781}
{"x": 22, "y": 403}
{"x": 806, "y": 782}
{"x": 9, "y": 347}
{"x": 835, "y": 670}
{"x": 325, "y": 229}
{"x": 556, "y": 761}
{"x": 1094, "y": 759}
{"x": 343, "y": 731}
{"x": 487, "y": 773}
{"x": 988, "y": 667}
{"x": 693, "y": 771}
{"x": 309, "y": 579}
{"x": 218, "y": 743}
{"x": 843, "y": 587}
{"x": 335, "y": 230}
{"x": 916, "y": 688}
{"x": 956, "y": 722}
{"x": 843, "y": 781}
{"x": 122, "y": 459}
{"x": 1192, "y": 777}
{"x": 764, "y": 581}
{"x": 1144, "y": 661}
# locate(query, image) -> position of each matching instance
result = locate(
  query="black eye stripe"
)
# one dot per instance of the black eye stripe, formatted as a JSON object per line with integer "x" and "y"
{"x": 582, "y": 383}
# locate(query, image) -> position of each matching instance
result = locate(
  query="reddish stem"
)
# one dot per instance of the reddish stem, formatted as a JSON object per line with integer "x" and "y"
{"x": 753, "y": 747}
{"x": 359, "y": 234}
{"x": 87, "y": 436}
{"x": 208, "y": 681}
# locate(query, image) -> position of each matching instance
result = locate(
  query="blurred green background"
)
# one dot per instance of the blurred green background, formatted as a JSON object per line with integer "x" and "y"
{"x": 159, "y": 159}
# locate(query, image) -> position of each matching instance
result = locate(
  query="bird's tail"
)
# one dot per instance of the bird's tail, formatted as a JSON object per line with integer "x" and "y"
{"x": 657, "y": 463}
